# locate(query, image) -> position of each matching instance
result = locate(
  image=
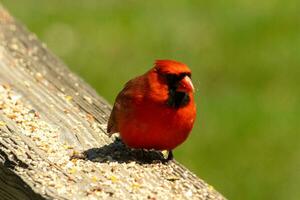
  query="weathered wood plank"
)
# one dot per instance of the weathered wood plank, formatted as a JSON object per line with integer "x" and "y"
{"x": 48, "y": 116}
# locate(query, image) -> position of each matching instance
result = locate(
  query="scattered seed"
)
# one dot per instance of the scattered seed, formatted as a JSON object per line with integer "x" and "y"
{"x": 88, "y": 99}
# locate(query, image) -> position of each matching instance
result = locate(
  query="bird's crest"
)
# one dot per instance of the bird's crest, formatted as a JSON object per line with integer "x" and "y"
{"x": 171, "y": 67}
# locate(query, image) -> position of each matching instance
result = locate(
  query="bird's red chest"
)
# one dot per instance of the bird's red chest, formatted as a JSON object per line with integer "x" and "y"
{"x": 151, "y": 126}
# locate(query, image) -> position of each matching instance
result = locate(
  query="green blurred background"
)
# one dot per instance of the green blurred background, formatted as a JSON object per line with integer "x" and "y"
{"x": 246, "y": 65}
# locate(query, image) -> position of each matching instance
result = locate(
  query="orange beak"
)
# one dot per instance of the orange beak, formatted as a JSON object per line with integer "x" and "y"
{"x": 185, "y": 85}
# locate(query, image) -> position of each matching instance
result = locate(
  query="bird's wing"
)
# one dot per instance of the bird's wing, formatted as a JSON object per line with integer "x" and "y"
{"x": 129, "y": 94}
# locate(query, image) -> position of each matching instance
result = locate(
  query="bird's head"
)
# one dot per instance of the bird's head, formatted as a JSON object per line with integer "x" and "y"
{"x": 177, "y": 77}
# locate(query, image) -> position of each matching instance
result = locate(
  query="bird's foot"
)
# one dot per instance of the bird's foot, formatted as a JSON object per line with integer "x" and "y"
{"x": 170, "y": 155}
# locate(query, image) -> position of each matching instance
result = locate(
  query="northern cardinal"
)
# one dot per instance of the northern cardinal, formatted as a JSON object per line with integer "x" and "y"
{"x": 155, "y": 110}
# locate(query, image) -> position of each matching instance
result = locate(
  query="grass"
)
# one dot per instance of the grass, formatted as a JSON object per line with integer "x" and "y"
{"x": 245, "y": 61}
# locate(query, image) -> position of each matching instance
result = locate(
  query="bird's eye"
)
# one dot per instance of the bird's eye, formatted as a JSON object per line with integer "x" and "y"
{"x": 172, "y": 78}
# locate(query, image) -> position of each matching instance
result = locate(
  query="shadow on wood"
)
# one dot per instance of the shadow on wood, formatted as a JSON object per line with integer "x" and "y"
{"x": 117, "y": 151}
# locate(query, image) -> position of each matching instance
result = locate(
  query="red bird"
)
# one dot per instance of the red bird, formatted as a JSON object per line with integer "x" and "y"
{"x": 155, "y": 110}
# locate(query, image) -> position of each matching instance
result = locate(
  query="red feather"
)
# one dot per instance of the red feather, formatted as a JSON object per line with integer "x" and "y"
{"x": 142, "y": 112}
